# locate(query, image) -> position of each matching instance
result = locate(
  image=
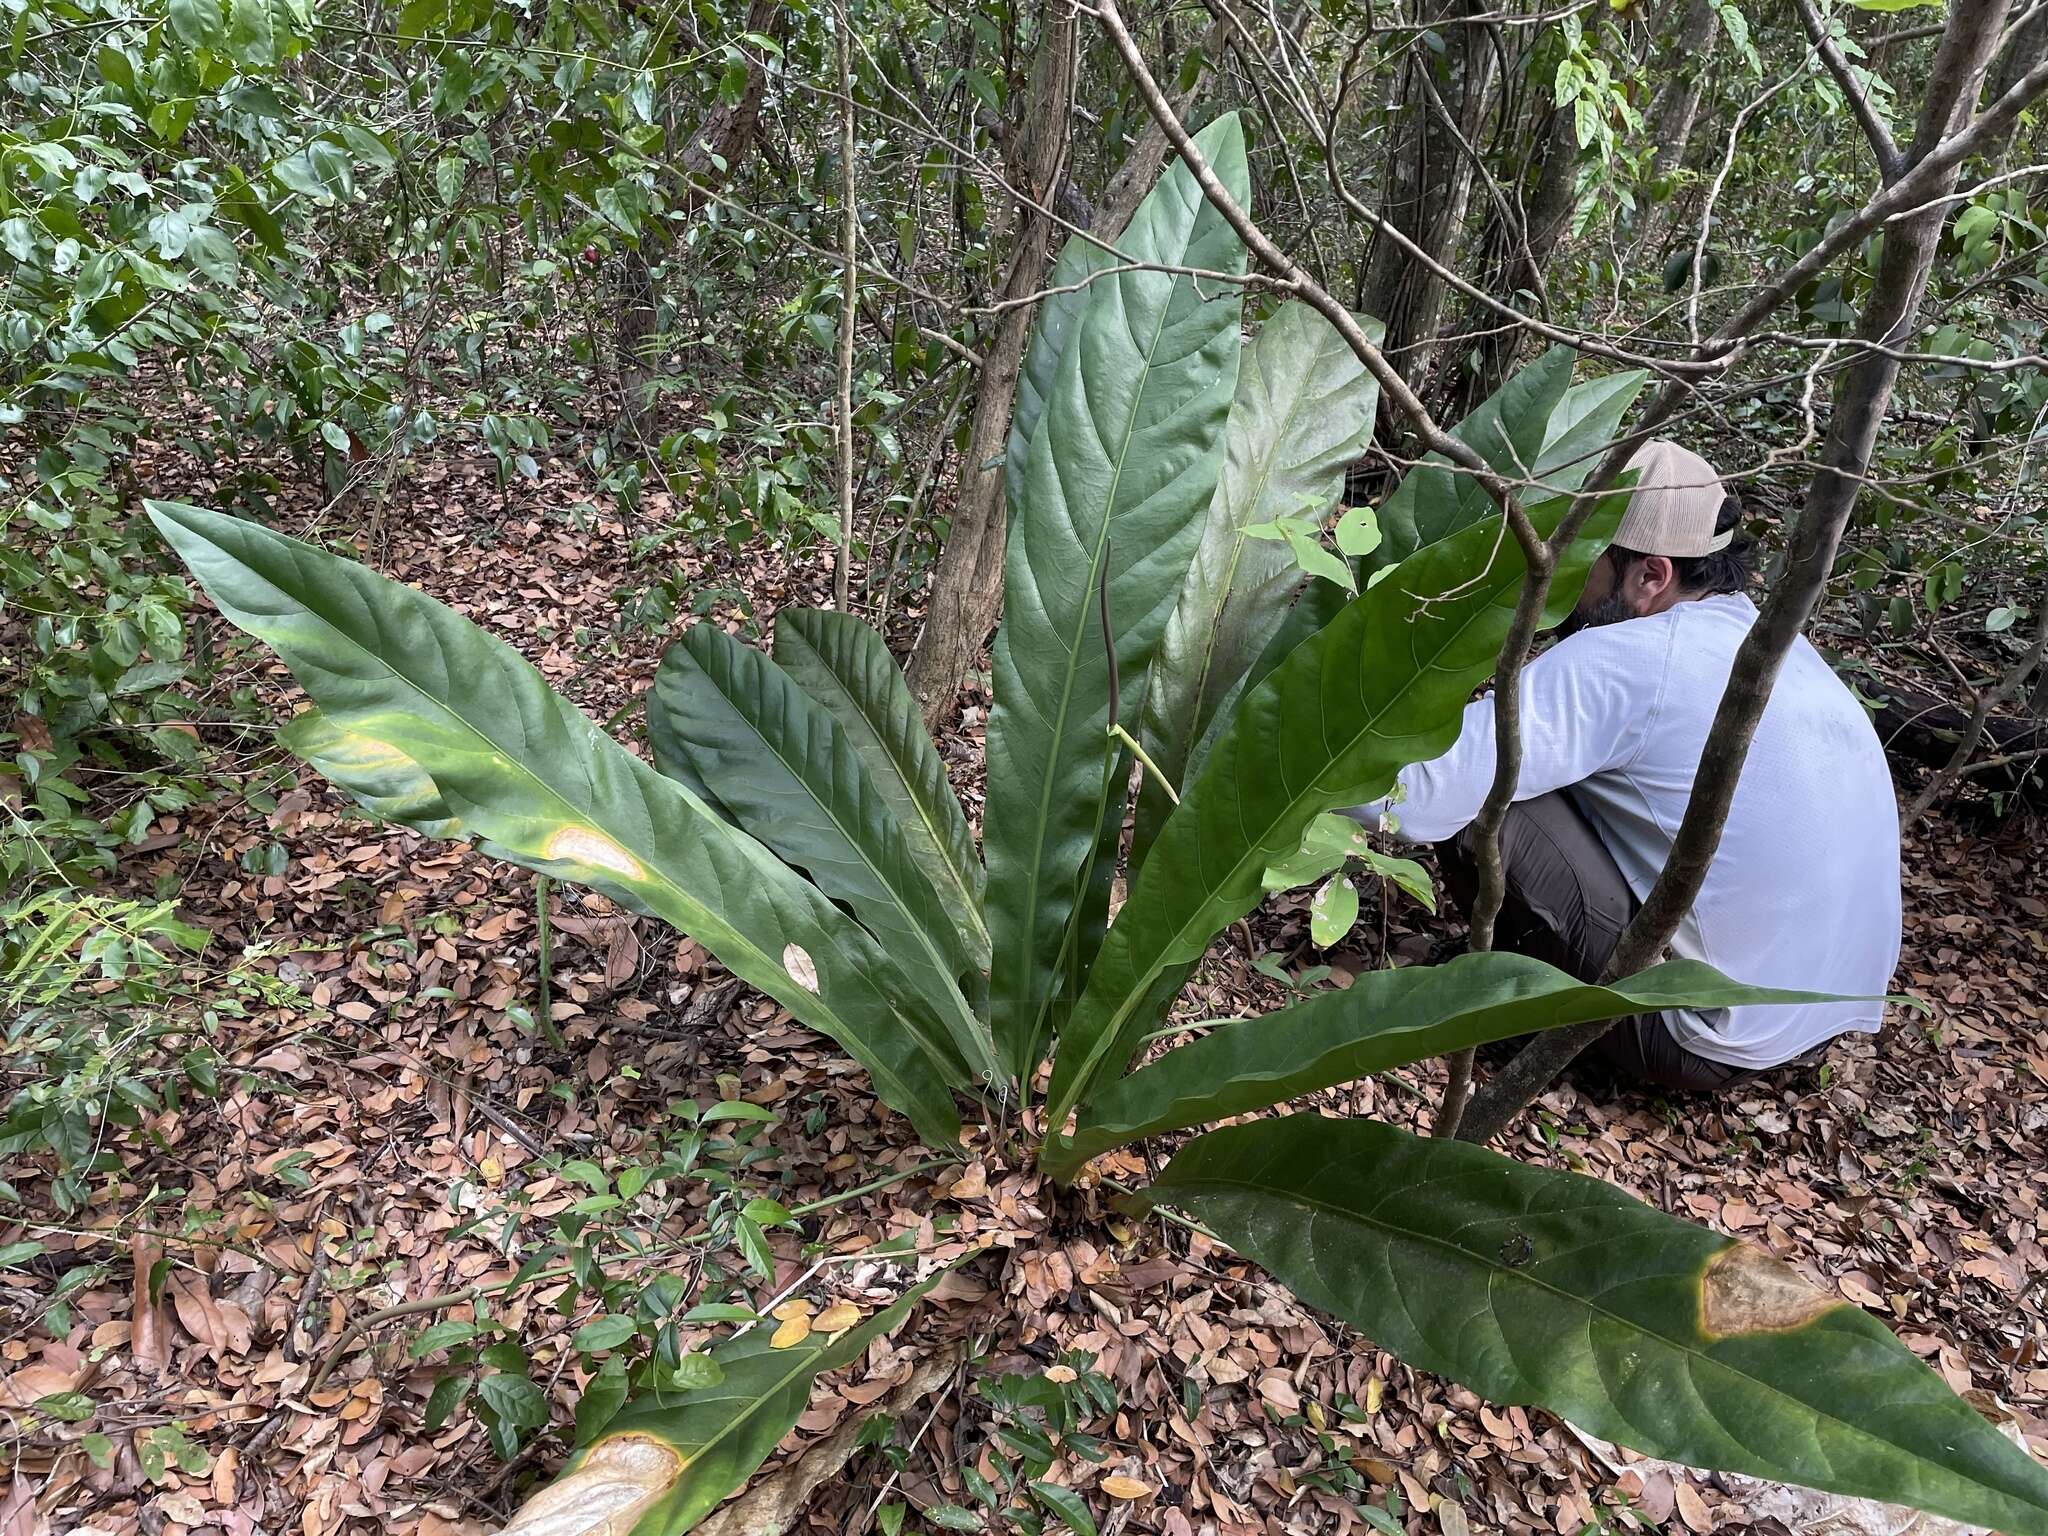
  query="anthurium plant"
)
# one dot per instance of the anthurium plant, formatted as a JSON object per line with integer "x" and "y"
{"x": 797, "y": 823}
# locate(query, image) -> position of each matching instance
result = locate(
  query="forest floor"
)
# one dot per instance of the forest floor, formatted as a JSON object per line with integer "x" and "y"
{"x": 381, "y": 1140}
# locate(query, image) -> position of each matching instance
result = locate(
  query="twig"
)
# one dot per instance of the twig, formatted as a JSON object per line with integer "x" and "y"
{"x": 1859, "y": 407}
{"x": 1108, "y": 636}
{"x": 474, "y": 1293}
{"x": 957, "y": 1358}
{"x": 1118, "y": 733}
{"x": 1890, "y": 163}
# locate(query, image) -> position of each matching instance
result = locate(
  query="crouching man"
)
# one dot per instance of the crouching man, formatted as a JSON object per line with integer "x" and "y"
{"x": 1804, "y": 889}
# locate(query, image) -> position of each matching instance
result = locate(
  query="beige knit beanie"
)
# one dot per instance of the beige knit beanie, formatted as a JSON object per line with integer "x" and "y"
{"x": 1677, "y": 500}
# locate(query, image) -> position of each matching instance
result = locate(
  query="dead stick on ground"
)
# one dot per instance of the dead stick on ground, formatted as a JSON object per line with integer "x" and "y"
{"x": 474, "y": 1293}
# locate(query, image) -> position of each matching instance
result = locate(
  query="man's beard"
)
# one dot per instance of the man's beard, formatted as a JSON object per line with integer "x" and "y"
{"x": 1611, "y": 609}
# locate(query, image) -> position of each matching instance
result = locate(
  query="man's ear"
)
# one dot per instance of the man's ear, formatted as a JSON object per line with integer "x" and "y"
{"x": 1651, "y": 578}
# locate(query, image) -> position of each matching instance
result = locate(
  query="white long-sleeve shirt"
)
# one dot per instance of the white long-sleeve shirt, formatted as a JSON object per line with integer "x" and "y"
{"x": 1804, "y": 889}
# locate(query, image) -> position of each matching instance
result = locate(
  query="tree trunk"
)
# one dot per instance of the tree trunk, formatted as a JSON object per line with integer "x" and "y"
{"x": 1920, "y": 727}
{"x": 967, "y": 589}
{"x": 1134, "y": 178}
{"x": 849, "y": 317}
{"x": 720, "y": 143}
{"x": 2023, "y": 50}
{"x": 1860, "y": 400}
{"x": 1515, "y": 260}
{"x": 1429, "y": 184}
{"x": 1673, "y": 112}
{"x": 1978, "y": 727}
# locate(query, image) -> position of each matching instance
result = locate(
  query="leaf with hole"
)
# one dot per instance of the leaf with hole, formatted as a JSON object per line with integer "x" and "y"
{"x": 846, "y": 666}
{"x": 786, "y": 770}
{"x": 1333, "y": 912}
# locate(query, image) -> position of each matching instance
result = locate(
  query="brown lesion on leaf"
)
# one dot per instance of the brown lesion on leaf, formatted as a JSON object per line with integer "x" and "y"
{"x": 1744, "y": 1290}
{"x": 618, "y": 1480}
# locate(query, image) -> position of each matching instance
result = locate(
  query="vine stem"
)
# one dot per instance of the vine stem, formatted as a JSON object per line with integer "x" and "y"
{"x": 541, "y": 885}
{"x": 849, "y": 291}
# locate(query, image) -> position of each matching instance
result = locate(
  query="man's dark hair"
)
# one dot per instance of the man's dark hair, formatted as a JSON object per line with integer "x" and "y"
{"x": 1726, "y": 570}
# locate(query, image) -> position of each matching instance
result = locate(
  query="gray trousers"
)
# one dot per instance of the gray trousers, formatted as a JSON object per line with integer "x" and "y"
{"x": 1567, "y": 904}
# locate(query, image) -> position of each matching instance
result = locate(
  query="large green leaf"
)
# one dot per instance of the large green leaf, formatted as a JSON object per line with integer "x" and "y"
{"x": 1538, "y": 426}
{"x": 669, "y": 1458}
{"x": 1121, "y": 470}
{"x": 1303, "y": 411}
{"x": 537, "y": 782}
{"x": 846, "y": 666}
{"x": 1583, "y": 427}
{"x": 1532, "y": 1286}
{"x": 1315, "y": 606}
{"x": 1383, "y": 1019}
{"x": 787, "y": 771}
{"x": 1384, "y": 684}
{"x": 1069, "y": 291}
{"x": 378, "y": 776}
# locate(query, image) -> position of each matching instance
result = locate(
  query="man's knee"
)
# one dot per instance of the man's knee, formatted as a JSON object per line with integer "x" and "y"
{"x": 1565, "y": 901}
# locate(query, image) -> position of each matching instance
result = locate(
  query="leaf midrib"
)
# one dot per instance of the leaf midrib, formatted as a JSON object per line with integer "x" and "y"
{"x": 802, "y": 1365}
{"x": 1567, "y": 1001}
{"x": 970, "y": 903}
{"x": 1237, "y": 542}
{"x": 939, "y": 963}
{"x": 1059, "y": 729}
{"x": 835, "y": 663}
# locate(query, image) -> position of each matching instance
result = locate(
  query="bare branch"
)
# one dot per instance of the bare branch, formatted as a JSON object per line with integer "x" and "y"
{"x": 848, "y": 311}
{"x": 1903, "y": 35}
{"x": 1299, "y": 282}
{"x": 1890, "y": 163}
{"x": 1929, "y": 182}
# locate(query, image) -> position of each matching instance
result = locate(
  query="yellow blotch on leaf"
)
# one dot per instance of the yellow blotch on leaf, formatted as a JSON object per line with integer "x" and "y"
{"x": 363, "y": 751}
{"x": 580, "y": 845}
{"x": 793, "y": 1331}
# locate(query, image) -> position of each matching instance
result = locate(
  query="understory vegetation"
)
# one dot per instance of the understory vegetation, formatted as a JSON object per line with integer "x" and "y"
{"x": 716, "y": 648}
